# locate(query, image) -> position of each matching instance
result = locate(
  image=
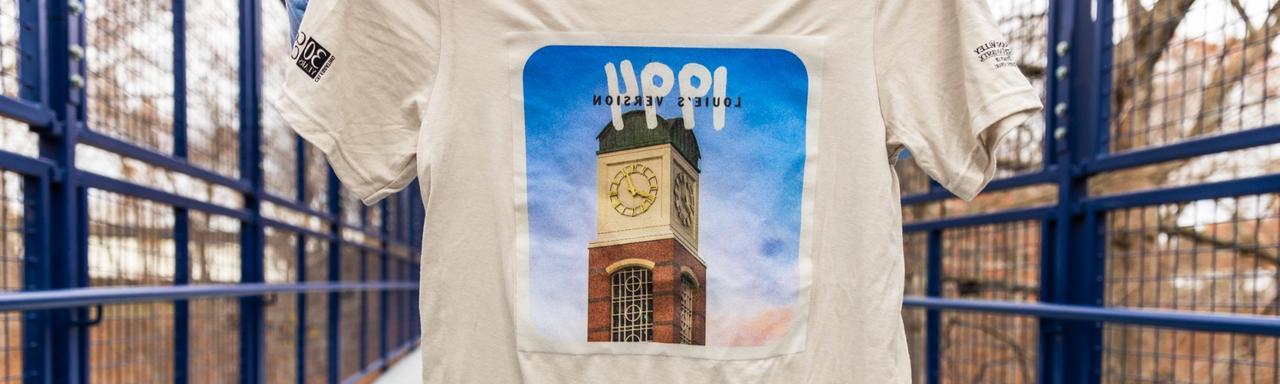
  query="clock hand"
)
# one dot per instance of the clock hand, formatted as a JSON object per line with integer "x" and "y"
{"x": 631, "y": 187}
{"x": 643, "y": 194}
{"x": 637, "y": 192}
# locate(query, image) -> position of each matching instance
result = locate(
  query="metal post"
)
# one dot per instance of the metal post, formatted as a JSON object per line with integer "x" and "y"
{"x": 335, "y": 268}
{"x": 933, "y": 319}
{"x": 364, "y": 308}
{"x": 252, "y": 321}
{"x": 36, "y": 337}
{"x": 181, "y": 308}
{"x": 37, "y": 212}
{"x": 381, "y": 275}
{"x": 419, "y": 213}
{"x": 1050, "y": 359}
{"x": 300, "y": 176}
{"x": 181, "y": 216}
{"x": 363, "y": 276}
{"x": 65, "y": 265}
{"x": 300, "y": 330}
{"x": 1075, "y": 230}
{"x": 180, "y": 79}
{"x": 300, "y": 195}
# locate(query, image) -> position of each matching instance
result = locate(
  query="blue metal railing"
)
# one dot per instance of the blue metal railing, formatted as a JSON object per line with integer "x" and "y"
{"x": 148, "y": 244}
{"x": 1117, "y": 285}
{"x": 122, "y": 267}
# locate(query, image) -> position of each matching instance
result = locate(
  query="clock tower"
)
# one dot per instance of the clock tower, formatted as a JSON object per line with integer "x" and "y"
{"x": 646, "y": 281}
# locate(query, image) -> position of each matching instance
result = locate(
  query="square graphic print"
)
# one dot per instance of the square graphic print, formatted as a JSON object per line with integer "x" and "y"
{"x": 664, "y": 190}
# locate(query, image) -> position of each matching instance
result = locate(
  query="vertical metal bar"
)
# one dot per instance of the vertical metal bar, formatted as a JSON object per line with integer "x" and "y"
{"x": 181, "y": 309}
{"x": 37, "y": 212}
{"x": 36, "y": 340}
{"x": 68, "y": 344}
{"x": 401, "y": 274}
{"x": 419, "y": 213}
{"x": 32, "y": 68}
{"x": 1050, "y": 359}
{"x": 300, "y": 195}
{"x": 1075, "y": 230}
{"x": 1096, "y": 221}
{"x": 360, "y": 295}
{"x": 403, "y": 215}
{"x": 364, "y": 308}
{"x": 416, "y": 270}
{"x": 394, "y": 324}
{"x": 419, "y": 217}
{"x": 406, "y": 304}
{"x": 335, "y": 268}
{"x": 933, "y": 319}
{"x": 394, "y": 274}
{"x": 181, "y": 217}
{"x": 383, "y": 313}
{"x": 300, "y": 330}
{"x": 180, "y": 79}
{"x": 1105, "y": 59}
{"x": 252, "y": 324}
{"x": 300, "y": 176}
{"x": 415, "y": 223}
{"x": 393, "y": 228}
{"x": 81, "y": 279}
{"x": 402, "y": 267}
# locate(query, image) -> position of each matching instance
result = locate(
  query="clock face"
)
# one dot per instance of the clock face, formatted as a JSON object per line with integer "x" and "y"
{"x": 685, "y": 199}
{"x": 633, "y": 190}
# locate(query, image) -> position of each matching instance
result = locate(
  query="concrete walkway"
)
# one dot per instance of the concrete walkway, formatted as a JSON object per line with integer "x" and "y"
{"x": 407, "y": 370}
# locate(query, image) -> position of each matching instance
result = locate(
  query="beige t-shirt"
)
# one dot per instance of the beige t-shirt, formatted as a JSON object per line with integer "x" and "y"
{"x": 657, "y": 191}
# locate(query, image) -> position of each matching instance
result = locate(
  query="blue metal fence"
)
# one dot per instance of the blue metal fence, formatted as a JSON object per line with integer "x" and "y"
{"x": 160, "y": 223}
{"x": 1133, "y": 235}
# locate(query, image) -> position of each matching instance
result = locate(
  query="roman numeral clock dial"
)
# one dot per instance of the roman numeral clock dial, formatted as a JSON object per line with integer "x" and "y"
{"x": 685, "y": 200}
{"x": 633, "y": 190}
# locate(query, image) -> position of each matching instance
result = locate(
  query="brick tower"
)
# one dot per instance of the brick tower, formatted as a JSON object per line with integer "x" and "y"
{"x": 645, "y": 279}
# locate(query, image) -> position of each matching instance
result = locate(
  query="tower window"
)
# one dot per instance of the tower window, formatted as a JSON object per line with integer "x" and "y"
{"x": 632, "y": 300}
{"x": 686, "y": 310}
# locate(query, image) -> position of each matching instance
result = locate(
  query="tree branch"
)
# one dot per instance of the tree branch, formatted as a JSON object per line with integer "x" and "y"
{"x": 1001, "y": 336}
{"x": 1251, "y": 248}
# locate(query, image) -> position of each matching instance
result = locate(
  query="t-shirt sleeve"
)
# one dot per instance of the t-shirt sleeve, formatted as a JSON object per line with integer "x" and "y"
{"x": 359, "y": 81}
{"x": 949, "y": 88}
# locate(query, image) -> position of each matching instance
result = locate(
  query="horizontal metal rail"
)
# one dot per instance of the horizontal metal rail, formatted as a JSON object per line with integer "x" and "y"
{"x": 105, "y": 183}
{"x": 148, "y": 156}
{"x": 93, "y": 180}
{"x": 1020, "y": 214}
{"x": 1261, "y": 325}
{"x": 25, "y": 112}
{"x": 1044, "y": 176}
{"x": 29, "y": 166}
{"x": 1245, "y": 139}
{"x": 86, "y": 297}
{"x": 1222, "y": 189}
{"x": 297, "y": 229}
{"x": 1230, "y": 188}
{"x": 296, "y": 206}
{"x": 1250, "y": 138}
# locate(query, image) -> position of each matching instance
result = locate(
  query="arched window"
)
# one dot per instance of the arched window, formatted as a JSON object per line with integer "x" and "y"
{"x": 632, "y": 300}
{"x": 686, "y": 309}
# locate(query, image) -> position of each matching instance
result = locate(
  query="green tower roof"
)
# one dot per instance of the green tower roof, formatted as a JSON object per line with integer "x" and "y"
{"x": 635, "y": 133}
